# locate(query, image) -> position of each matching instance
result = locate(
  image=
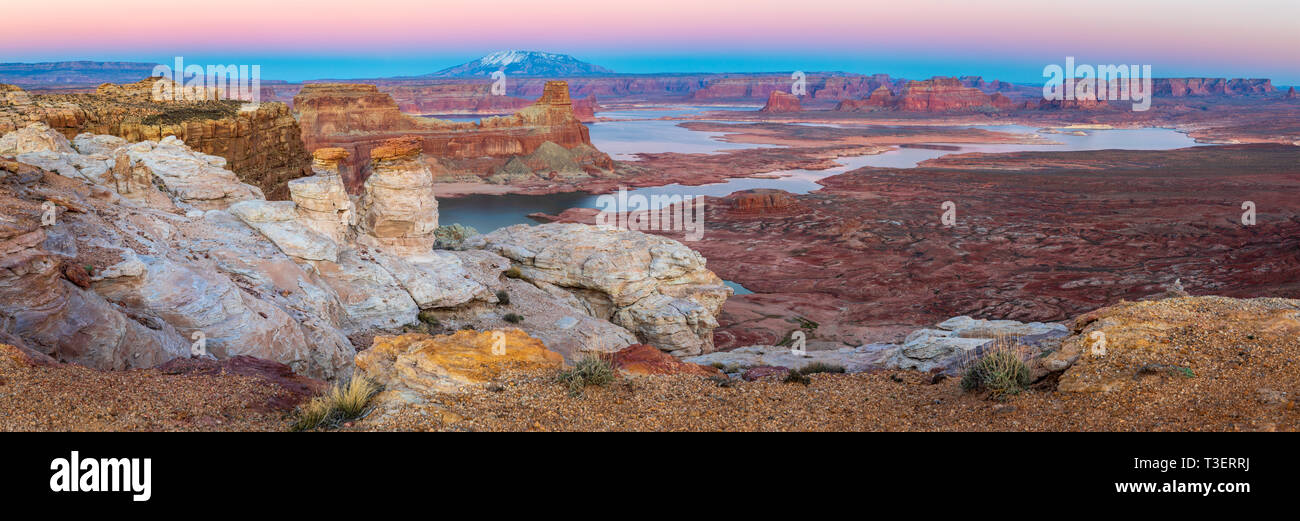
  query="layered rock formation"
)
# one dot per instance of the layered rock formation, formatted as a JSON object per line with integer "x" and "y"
{"x": 1180, "y": 87}
{"x": 357, "y": 118}
{"x": 780, "y": 101}
{"x": 938, "y": 94}
{"x": 261, "y": 144}
{"x": 397, "y": 210}
{"x": 124, "y": 255}
{"x": 654, "y": 287}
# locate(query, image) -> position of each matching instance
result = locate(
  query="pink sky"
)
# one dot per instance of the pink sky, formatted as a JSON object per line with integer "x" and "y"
{"x": 1242, "y": 36}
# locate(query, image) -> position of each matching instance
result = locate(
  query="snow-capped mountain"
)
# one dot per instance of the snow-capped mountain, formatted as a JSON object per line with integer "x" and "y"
{"x": 524, "y": 63}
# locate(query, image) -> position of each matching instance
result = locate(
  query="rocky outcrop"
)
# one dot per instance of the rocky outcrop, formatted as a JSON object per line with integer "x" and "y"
{"x": 653, "y": 286}
{"x": 124, "y": 255}
{"x": 945, "y": 348}
{"x": 958, "y": 340}
{"x": 398, "y": 211}
{"x": 1229, "y": 339}
{"x": 780, "y": 101}
{"x": 763, "y": 201}
{"x": 321, "y": 202}
{"x": 359, "y": 118}
{"x": 426, "y": 364}
{"x": 261, "y": 144}
{"x": 641, "y": 359}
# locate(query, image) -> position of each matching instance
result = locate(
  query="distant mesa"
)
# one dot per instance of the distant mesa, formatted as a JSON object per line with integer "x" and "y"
{"x": 523, "y": 63}
{"x": 781, "y": 101}
{"x": 937, "y": 94}
{"x": 53, "y": 74}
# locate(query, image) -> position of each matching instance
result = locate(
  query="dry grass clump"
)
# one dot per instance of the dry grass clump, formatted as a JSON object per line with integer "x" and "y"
{"x": 1001, "y": 370}
{"x": 341, "y": 403}
{"x": 593, "y": 369}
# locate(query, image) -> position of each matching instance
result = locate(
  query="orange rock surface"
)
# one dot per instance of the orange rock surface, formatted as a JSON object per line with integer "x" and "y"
{"x": 446, "y": 363}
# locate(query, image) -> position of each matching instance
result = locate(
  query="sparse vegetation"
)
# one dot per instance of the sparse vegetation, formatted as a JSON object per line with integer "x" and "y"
{"x": 513, "y": 318}
{"x": 593, "y": 369}
{"x": 513, "y": 272}
{"x": 452, "y": 236}
{"x": 1001, "y": 371}
{"x": 800, "y": 375}
{"x": 341, "y": 403}
{"x": 503, "y": 298}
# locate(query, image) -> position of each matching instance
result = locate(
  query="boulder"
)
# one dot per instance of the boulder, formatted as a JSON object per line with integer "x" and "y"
{"x": 642, "y": 359}
{"x": 654, "y": 286}
{"x": 36, "y": 137}
{"x": 449, "y": 363}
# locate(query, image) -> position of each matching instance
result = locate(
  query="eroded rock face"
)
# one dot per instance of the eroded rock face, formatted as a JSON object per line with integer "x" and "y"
{"x": 359, "y": 118}
{"x": 781, "y": 101}
{"x": 398, "y": 211}
{"x": 938, "y": 94}
{"x": 321, "y": 200}
{"x": 262, "y": 145}
{"x": 653, "y": 286}
{"x": 152, "y": 250}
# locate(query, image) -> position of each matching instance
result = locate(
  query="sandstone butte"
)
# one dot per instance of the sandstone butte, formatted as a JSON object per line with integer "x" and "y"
{"x": 262, "y": 145}
{"x": 357, "y": 118}
{"x": 780, "y": 101}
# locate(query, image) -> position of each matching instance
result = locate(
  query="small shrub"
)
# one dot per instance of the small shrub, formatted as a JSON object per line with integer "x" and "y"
{"x": 341, "y": 403}
{"x": 429, "y": 319}
{"x": 821, "y": 367}
{"x": 591, "y": 370}
{"x": 800, "y": 375}
{"x": 796, "y": 377}
{"x": 452, "y": 236}
{"x": 503, "y": 298}
{"x": 513, "y": 272}
{"x": 1000, "y": 371}
{"x": 513, "y": 318}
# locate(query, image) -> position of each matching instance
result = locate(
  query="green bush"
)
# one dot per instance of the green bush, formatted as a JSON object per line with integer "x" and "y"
{"x": 503, "y": 298}
{"x": 513, "y": 318}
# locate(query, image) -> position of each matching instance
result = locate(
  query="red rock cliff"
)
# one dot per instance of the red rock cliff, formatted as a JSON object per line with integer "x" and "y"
{"x": 359, "y": 117}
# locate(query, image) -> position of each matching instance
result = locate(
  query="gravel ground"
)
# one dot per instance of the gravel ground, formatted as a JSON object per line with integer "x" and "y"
{"x": 75, "y": 398}
{"x": 856, "y": 402}
{"x": 1243, "y": 359}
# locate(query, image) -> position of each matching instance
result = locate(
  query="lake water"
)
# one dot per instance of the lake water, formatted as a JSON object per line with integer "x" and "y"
{"x": 642, "y": 133}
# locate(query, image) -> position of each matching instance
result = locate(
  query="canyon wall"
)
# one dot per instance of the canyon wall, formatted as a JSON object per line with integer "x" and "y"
{"x": 261, "y": 144}
{"x": 358, "y": 117}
